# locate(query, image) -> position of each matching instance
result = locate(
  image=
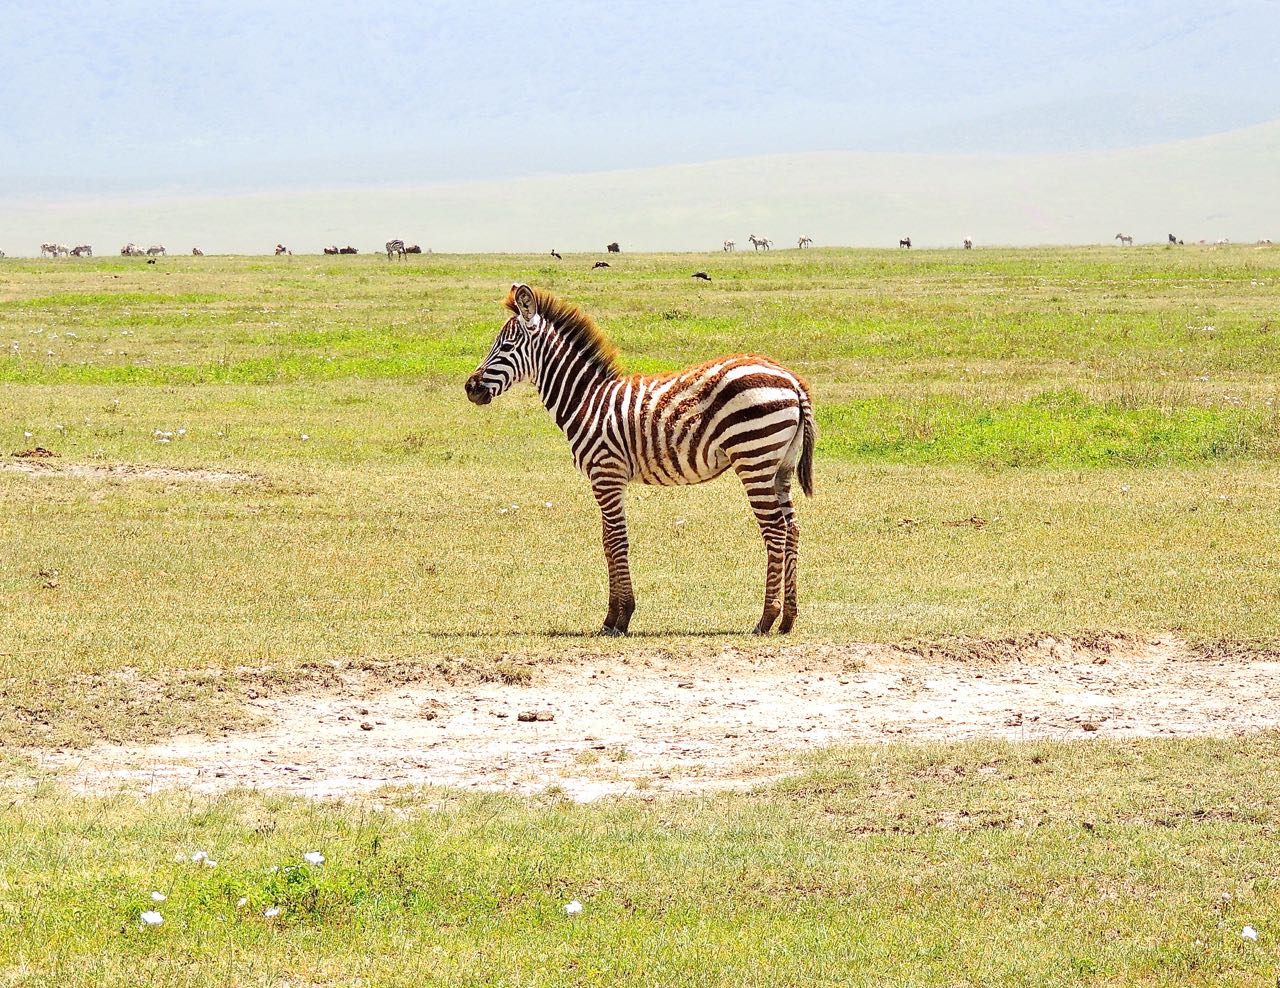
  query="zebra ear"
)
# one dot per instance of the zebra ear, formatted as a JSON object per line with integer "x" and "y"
{"x": 526, "y": 304}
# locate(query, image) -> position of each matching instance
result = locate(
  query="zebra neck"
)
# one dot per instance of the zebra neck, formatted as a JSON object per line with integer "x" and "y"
{"x": 568, "y": 378}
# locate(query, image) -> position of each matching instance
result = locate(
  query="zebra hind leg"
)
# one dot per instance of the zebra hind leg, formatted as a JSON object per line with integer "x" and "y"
{"x": 790, "y": 563}
{"x": 765, "y": 494}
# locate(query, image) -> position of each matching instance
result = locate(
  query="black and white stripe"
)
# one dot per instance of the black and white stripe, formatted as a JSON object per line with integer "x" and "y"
{"x": 743, "y": 412}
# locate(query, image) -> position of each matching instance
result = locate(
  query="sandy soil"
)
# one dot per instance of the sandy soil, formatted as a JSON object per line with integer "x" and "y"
{"x": 658, "y": 724}
{"x": 121, "y": 471}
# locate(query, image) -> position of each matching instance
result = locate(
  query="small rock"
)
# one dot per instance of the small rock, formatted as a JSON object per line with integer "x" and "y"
{"x": 531, "y": 716}
{"x": 1089, "y": 725}
{"x": 366, "y": 726}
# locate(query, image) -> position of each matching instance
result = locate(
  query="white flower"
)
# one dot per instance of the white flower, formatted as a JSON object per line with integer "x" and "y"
{"x": 502, "y": 511}
{"x": 26, "y": 435}
{"x": 1249, "y": 933}
{"x": 151, "y": 918}
{"x": 210, "y": 863}
{"x": 546, "y": 504}
{"x": 271, "y": 912}
{"x": 679, "y": 522}
{"x": 158, "y": 897}
{"x": 242, "y": 902}
{"x": 573, "y": 908}
{"x": 182, "y": 432}
{"x": 313, "y": 857}
{"x": 305, "y": 437}
{"x": 199, "y": 855}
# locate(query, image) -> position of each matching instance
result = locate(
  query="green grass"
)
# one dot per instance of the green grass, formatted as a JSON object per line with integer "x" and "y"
{"x": 974, "y": 864}
{"x": 1123, "y": 455}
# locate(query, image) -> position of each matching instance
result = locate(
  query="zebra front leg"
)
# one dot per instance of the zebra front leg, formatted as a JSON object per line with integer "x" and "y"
{"x": 613, "y": 518}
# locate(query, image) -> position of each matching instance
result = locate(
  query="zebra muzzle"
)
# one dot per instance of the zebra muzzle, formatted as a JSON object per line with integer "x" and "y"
{"x": 476, "y": 391}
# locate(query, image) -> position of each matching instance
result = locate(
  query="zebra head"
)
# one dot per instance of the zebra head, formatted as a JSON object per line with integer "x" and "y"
{"x": 511, "y": 358}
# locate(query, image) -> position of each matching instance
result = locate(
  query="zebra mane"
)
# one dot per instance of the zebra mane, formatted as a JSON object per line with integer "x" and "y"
{"x": 577, "y": 328}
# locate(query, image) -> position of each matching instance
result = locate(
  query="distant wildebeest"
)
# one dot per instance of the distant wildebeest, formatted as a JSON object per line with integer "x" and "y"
{"x": 968, "y": 243}
{"x": 556, "y": 255}
{"x": 155, "y": 249}
{"x": 600, "y": 264}
{"x": 331, "y": 250}
{"x": 395, "y": 247}
{"x": 82, "y": 250}
{"x": 741, "y": 412}
{"x": 1264, "y": 243}
{"x": 1125, "y": 239}
{"x": 729, "y": 245}
{"x": 131, "y": 250}
{"x": 348, "y": 250}
{"x": 759, "y": 242}
{"x": 197, "y": 252}
{"x": 1172, "y": 239}
{"x": 701, "y": 274}
{"x": 905, "y": 242}
{"x": 282, "y": 249}
{"x": 413, "y": 249}
{"x": 613, "y": 248}
{"x": 804, "y": 242}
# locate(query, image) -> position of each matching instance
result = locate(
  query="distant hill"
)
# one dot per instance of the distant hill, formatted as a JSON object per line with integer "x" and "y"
{"x": 1219, "y": 186}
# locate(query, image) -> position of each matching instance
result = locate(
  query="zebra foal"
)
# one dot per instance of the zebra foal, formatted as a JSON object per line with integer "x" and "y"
{"x": 741, "y": 411}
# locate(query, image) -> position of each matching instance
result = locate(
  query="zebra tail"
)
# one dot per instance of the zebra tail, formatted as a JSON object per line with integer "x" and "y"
{"x": 804, "y": 470}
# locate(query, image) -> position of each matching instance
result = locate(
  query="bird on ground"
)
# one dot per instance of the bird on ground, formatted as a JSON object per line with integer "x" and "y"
{"x": 556, "y": 256}
{"x": 701, "y": 274}
{"x": 600, "y": 264}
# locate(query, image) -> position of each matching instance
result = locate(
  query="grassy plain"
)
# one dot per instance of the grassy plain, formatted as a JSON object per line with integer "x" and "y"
{"x": 1108, "y": 416}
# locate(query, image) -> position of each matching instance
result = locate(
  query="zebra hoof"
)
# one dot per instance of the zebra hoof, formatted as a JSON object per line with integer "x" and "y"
{"x": 611, "y": 632}
{"x": 785, "y": 625}
{"x": 759, "y": 629}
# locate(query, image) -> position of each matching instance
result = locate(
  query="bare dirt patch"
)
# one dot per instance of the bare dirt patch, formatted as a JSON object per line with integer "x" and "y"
{"x": 659, "y": 724}
{"x": 124, "y": 471}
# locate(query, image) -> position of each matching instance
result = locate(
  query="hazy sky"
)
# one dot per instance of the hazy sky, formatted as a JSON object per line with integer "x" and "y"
{"x": 125, "y": 96}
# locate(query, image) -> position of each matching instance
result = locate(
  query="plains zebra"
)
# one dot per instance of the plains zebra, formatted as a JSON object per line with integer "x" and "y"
{"x": 54, "y": 250}
{"x": 131, "y": 250}
{"x": 1124, "y": 238}
{"x": 197, "y": 252}
{"x": 155, "y": 249}
{"x": 968, "y": 243}
{"x": 741, "y": 411}
{"x": 729, "y": 245}
{"x": 395, "y": 247}
{"x": 82, "y": 250}
{"x": 804, "y": 242}
{"x": 282, "y": 249}
{"x": 758, "y": 242}
{"x": 905, "y": 242}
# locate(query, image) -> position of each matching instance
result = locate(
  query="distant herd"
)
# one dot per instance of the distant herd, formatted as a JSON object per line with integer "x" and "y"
{"x": 399, "y": 249}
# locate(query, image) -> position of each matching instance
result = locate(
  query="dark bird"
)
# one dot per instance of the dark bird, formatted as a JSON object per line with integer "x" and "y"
{"x": 701, "y": 274}
{"x": 600, "y": 264}
{"x": 556, "y": 256}
{"x": 151, "y": 260}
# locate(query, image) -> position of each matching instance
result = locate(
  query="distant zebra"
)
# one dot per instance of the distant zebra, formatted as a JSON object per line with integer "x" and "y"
{"x": 1125, "y": 239}
{"x": 197, "y": 252}
{"x": 742, "y": 412}
{"x": 905, "y": 242}
{"x": 155, "y": 249}
{"x": 282, "y": 249}
{"x": 54, "y": 250}
{"x": 804, "y": 242}
{"x": 613, "y": 248}
{"x": 729, "y": 245}
{"x": 395, "y": 247}
{"x": 131, "y": 250}
{"x": 968, "y": 243}
{"x": 758, "y": 242}
{"x": 1221, "y": 242}
{"x": 82, "y": 250}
